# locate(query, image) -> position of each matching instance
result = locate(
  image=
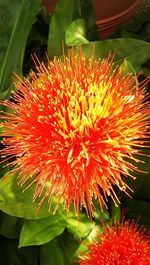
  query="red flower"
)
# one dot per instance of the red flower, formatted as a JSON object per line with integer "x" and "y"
{"x": 73, "y": 127}
{"x": 121, "y": 244}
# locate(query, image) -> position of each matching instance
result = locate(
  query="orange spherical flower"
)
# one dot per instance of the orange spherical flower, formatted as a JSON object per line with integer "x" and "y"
{"x": 73, "y": 127}
{"x": 120, "y": 244}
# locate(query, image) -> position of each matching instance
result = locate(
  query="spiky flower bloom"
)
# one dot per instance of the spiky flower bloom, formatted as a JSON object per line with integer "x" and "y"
{"x": 120, "y": 244}
{"x": 73, "y": 126}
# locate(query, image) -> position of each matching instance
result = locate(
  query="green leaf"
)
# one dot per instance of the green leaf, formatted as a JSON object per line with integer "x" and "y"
{"x": 38, "y": 232}
{"x": 15, "y": 202}
{"x": 97, "y": 229}
{"x": 127, "y": 67}
{"x": 79, "y": 228}
{"x": 10, "y": 226}
{"x": 65, "y": 12}
{"x": 65, "y": 249}
{"x": 51, "y": 254}
{"x": 137, "y": 52}
{"x": 60, "y": 250}
{"x": 17, "y": 18}
{"x": 76, "y": 33}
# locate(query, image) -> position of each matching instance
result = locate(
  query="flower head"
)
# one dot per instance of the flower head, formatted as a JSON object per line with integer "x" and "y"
{"x": 73, "y": 127}
{"x": 120, "y": 244}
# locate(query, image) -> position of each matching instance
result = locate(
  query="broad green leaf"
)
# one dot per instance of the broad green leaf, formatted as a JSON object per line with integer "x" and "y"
{"x": 51, "y": 254}
{"x": 76, "y": 33}
{"x": 17, "y": 18}
{"x": 38, "y": 232}
{"x": 79, "y": 228}
{"x": 60, "y": 250}
{"x": 137, "y": 52}
{"x": 127, "y": 68}
{"x": 65, "y": 12}
{"x": 10, "y": 226}
{"x": 65, "y": 249}
{"x": 15, "y": 202}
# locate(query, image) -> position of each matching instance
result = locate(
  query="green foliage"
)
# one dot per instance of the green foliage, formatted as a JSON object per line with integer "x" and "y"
{"x": 79, "y": 228}
{"x": 43, "y": 230}
{"x": 137, "y": 52}
{"x": 76, "y": 33}
{"x": 17, "y": 18}
{"x": 15, "y": 202}
{"x": 28, "y": 236}
{"x": 71, "y": 28}
{"x": 59, "y": 251}
{"x": 59, "y": 24}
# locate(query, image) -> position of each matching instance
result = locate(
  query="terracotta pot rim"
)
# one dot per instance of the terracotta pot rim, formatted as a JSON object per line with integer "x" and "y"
{"x": 114, "y": 23}
{"x": 121, "y": 17}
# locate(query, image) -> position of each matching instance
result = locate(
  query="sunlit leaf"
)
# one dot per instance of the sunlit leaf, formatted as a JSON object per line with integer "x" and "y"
{"x": 43, "y": 230}
{"x": 79, "y": 228}
{"x": 76, "y": 33}
{"x": 15, "y": 202}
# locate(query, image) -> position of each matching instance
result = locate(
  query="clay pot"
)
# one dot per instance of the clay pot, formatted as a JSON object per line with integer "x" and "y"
{"x": 112, "y": 13}
{"x": 109, "y": 13}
